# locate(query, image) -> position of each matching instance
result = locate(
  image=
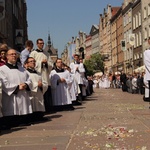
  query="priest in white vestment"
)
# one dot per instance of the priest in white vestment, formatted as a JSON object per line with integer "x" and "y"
{"x": 147, "y": 65}
{"x": 74, "y": 88}
{"x": 0, "y": 98}
{"x": 60, "y": 83}
{"x": 85, "y": 81}
{"x": 78, "y": 70}
{"x": 16, "y": 85}
{"x": 39, "y": 87}
{"x": 43, "y": 66}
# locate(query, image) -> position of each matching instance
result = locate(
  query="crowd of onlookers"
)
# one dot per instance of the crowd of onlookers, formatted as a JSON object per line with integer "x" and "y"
{"x": 132, "y": 83}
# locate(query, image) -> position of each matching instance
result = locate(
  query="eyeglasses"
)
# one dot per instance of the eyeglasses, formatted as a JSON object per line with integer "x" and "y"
{"x": 32, "y": 61}
{"x": 12, "y": 54}
{"x": 40, "y": 43}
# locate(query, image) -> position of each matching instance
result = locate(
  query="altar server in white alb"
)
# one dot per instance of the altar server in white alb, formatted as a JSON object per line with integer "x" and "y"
{"x": 147, "y": 65}
{"x": 39, "y": 87}
{"x": 85, "y": 81}
{"x": 16, "y": 85}
{"x": 0, "y": 104}
{"x": 78, "y": 70}
{"x": 0, "y": 98}
{"x": 60, "y": 84}
{"x": 74, "y": 88}
{"x": 43, "y": 66}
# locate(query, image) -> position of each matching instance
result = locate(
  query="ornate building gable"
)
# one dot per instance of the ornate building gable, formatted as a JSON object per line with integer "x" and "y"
{"x": 94, "y": 30}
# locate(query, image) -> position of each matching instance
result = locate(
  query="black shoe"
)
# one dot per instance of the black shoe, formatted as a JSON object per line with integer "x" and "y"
{"x": 4, "y": 127}
{"x": 44, "y": 119}
{"x": 76, "y": 103}
{"x": 71, "y": 108}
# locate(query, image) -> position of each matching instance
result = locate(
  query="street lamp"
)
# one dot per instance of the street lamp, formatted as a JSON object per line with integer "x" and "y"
{"x": 81, "y": 50}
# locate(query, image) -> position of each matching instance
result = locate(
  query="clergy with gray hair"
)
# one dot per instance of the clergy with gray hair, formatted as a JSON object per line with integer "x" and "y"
{"x": 16, "y": 85}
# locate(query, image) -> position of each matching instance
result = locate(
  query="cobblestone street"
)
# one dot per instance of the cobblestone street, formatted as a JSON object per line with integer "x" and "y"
{"x": 108, "y": 120}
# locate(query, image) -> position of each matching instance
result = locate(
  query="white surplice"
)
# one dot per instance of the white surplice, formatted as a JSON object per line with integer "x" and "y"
{"x": 0, "y": 98}
{"x": 36, "y": 94}
{"x": 60, "y": 91}
{"x": 73, "y": 88}
{"x": 146, "y": 87}
{"x": 39, "y": 56}
{"x": 147, "y": 64}
{"x": 15, "y": 104}
{"x": 78, "y": 74}
{"x": 84, "y": 87}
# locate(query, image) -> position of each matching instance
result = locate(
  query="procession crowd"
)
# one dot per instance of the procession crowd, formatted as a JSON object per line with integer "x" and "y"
{"x": 32, "y": 85}
{"x": 133, "y": 83}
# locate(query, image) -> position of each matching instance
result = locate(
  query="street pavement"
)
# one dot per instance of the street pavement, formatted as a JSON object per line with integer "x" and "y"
{"x": 108, "y": 120}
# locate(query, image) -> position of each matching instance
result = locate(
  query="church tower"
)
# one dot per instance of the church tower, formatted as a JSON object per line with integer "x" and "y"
{"x": 53, "y": 52}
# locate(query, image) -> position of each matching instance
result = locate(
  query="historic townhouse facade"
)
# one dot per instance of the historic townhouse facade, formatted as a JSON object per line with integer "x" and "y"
{"x": 120, "y": 54}
{"x": 80, "y": 44}
{"x": 116, "y": 38}
{"x": 65, "y": 56}
{"x": 13, "y": 27}
{"x": 113, "y": 22}
{"x": 127, "y": 32}
{"x": 95, "y": 38}
{"x": 128, "y": 24}
{"x": 145, "y": 23}
{"x": 88, "y": 47}
{"x": 137, "y": 31}
{"x": 105, "y": 35}
{"x": 76, "y": 46}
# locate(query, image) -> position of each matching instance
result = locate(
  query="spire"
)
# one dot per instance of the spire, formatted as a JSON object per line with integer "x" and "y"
{"x": 49, "y": 44}
{"x": 49, "y": 41}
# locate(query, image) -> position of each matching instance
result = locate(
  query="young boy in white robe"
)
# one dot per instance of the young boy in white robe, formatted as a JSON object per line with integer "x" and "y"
{"x": 74, "y": 89}
{"x": 39, "y": 87}
{"x": 44, "y": 65}
{"x": 60, "y": 83}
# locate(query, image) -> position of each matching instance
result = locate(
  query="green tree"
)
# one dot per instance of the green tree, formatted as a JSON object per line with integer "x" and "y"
{"x": 95, "y": 64}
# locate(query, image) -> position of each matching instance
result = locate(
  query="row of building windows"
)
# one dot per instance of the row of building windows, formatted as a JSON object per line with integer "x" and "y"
{"x": 128, "y": 54}
{"x": 126, "y": 35}
{"x": 138, "y": 56}
{"x": 146, "y": 32}
{"x": 146, "y": 11}
{"x": 127, "y": 18}
{"x": 137, "y": 20}
{"x": 138, "y": 39}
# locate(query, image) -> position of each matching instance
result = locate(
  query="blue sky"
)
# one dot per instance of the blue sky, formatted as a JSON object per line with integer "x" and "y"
{"x": 63, "y": 19}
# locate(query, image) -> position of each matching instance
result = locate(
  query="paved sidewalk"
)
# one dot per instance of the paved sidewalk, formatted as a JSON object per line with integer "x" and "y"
{"x": 108, "y": 120}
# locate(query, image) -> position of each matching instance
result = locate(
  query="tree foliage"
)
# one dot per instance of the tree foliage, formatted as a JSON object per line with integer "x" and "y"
{"x": 95, "y": 64}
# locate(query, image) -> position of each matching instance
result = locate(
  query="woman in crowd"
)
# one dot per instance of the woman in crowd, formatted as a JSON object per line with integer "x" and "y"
{"x": 3, "y": 51}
